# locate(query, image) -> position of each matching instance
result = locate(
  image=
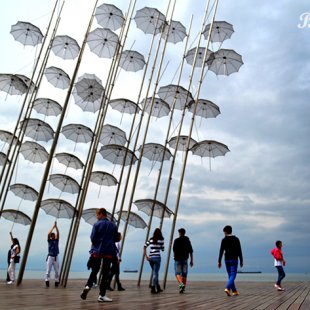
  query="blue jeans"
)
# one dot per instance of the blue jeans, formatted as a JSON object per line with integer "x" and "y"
{"x": 155, "y": 265}
{"x": 281, "y": 274}
{"x": 231, "y": 267}
{"x": 181, "y": 268}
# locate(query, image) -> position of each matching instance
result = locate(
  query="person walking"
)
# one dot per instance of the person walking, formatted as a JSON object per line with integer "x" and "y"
{"x": 53, "y": 251}
{"x": 115, "y": 268}
{"x": 156, "y": 244}
{"x": 279, "y": 262}
{"x": 182, "y": 250}
{"x": 231, "y": 246}
{"x": 14, "y": 258}
{"x": 103, "y": 237}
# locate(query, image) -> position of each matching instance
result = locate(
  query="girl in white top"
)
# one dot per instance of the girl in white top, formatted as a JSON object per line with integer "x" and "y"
{"x": 15, "y": 251}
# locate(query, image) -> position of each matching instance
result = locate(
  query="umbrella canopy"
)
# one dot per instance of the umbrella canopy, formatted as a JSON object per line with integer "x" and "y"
{"x": 103, "y": 42}
{"x": 181, "y": 143}
{"x": 26, "y": 33}
{"x": 69, "y": 160}
{"x": 209, "y": 148}
{"x": 37, "y": 129}
{"x": 65, "y": 47}
{"x": 12, "y": 84}
{"x": 24, "y": 191}
{"x": 57, "y": 77}
{"x": 89, "y": 215}
{"x": 134, "y": 219}
{"x": 64, "y": 183}
{"x": 2, "y": 158}
{"x": 224, "y": 62}
{"x": 177, "y": 32}
{"x": 160, "y": 107}
{"x": 221, "y": 31}
{"x": 112, "y": 135}
{"x": 147, "y": 205}
{"x": 118, "y": 155}
{"x": 109, "y": 16}
{"x": 131, "y": 61}
{"x": 177, "y": 93}
{"x": 16, "y": 216}
{"x": 190, "y": 56}
{"x": 47, "y": 107}
{"x": 124, "y": 106}
{"x": 88, "y": 92}
{"x": 205, "y": 108}
{"x": 149, "y": 20}
{"x": 6, "y": 137}
{"x": 34, "y": 152}
{"x": 58, "y": 208}
{"x": 27, "y": 81}
{"x": 155, "y": 152}
{"x": 103, "y": 178}
{"x": 77, "y": 133}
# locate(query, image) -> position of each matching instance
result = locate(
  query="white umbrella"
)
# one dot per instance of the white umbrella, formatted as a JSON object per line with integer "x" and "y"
{"x": 24, "y": 191}
{"x": 89, "y": 215}
{"x": 190, "y": 56}
{"x": 64, "y": 183}
{"x": 116, "y": 154}
{"x": 58, "y": 208}
{"x": 221, "y": 31}
{"x": 177, "y": 32}
{"x": 131, "y": 61}
{"x": 205, "y": 108}
{"x": 16, "y": 216}
{"x": 134, "y": 219}
{"x": 181, "y": 143}
{"x": 103, "y": 178}
{"x": 12, "y": 84}
{"x": 47, "y": 107}
{"x": 27, "y": 81}
{"x": 109, "y": 16}
{"x": 77, "y": 133}
{"x": 155, "y": 152}
{"x": 150, "y": 206}
{"x": 26, "y": 33}
{"x": 65, "y": 47}
{"x": 6, "y": 137}
{"x": 112, "y": 135}
{"x": 160, "y": 107}
{"x": 33, "y": 152}
{"x": 124, "y": 105}
{"x": 57, "y": 77}
{"x": 69, "y": 160}
{"x": 37, "y": 129}
{"x": 209, "y": 148}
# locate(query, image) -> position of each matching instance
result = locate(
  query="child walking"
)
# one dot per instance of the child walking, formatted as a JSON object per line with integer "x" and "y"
{"x": 279, "y": 262}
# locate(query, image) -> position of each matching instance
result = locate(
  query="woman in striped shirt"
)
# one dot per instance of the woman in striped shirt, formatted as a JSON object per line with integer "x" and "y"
{"x": 156, "y": 244}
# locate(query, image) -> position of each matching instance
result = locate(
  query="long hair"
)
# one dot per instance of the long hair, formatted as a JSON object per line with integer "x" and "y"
{"x": 157, "y": 235}
{"x": 15, "y": 241}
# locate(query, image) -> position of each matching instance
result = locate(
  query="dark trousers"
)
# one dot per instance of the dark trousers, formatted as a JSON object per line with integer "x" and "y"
{"x": 105, "y": 264}
{"x": 281, "y": 274}
{"x": 114, "y": 272}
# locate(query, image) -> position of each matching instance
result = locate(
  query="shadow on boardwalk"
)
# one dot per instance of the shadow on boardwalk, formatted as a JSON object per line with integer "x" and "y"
{"x": 199, "y": 295}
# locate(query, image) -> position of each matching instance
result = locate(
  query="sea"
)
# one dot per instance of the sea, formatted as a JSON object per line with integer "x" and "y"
{"x": 209, "y": 277}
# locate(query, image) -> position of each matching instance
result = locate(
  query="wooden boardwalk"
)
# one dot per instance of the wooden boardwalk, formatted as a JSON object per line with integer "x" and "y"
{"x": 32, "y": 294}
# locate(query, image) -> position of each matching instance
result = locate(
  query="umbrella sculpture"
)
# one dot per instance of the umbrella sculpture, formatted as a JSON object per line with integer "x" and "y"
{"x": 102, "y": 179}
{"x": 134, "y": 219}
{"x": 153, "y": 207}
{"x": 209, "y": 148}
{"x": 27, "y": 81}
{"x": 224, "y": 62}
{"x": 69, "y": 160}
{"x": 2, "y": 159}
{"x": 26, "y": 33}
{"x": 160, "y": 107}
{"x": 131, "y": 61}
{"x": 57, "y": 77}
{"x": 124, "y": 106}
{"x": 89, "y": 216}
{"x": 12, "y": 84}
{"x": 88, "y": 92}
{"x": 190, "y": 56}
{"x": 116, "y": 154}
{"x": 149, "y": 20}
{"x": 33, "y": 152}
{"x": 6, "y": 137}
{"x": 205, "y": 108}
{"x": 64, "y": 183}
{"x": 154, "y": 152}
{"x": 47, "y": 107}
{"x": 25, "y": 192}
{"x": 65, "y": 47}
{"x": 58, "y": 208}
{"x": 221, "y": 31}
{"x": 174, "y": 93}
{"x": 16, "y": 216}
{"x": 112, "y": 135}
{"x": 177, "y": 32}
{"x": 37, "y": 129}
{"x": 103, "y": 42}
{"x": 181, "y": 143}
{"x": 109, "y": 16}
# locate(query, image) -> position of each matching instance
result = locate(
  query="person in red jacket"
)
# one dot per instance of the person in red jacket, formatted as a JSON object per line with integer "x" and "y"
{"x": 279, "y": 262}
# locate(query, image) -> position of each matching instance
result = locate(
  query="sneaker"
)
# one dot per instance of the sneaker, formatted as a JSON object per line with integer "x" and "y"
{"x": 47, "y": 283}
{"x": 85, "y": 292}
{"x": 104, "y": 299}
{"x": 10, "y": 282}
{"x": 281, "y": 289}
{"x": 227, "y": 291}
{"x": 56, "y": 284}
{"x": 277, "y": 286}
{"x": 235, "y": 293}
{"x": 181, "y": 288}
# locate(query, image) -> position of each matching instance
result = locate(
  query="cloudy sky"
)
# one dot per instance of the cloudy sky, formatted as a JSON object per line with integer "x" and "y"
{"x": 261, "y": 187}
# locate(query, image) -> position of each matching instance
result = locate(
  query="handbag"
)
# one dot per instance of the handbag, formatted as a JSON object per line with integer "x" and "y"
{"x": 16, "y": 259}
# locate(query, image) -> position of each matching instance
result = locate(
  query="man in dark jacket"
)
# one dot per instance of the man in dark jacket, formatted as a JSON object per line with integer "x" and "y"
{"x": 231, "y": 246}
{"x": 182, "y": 250}
{"x": 103, "y": 237}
